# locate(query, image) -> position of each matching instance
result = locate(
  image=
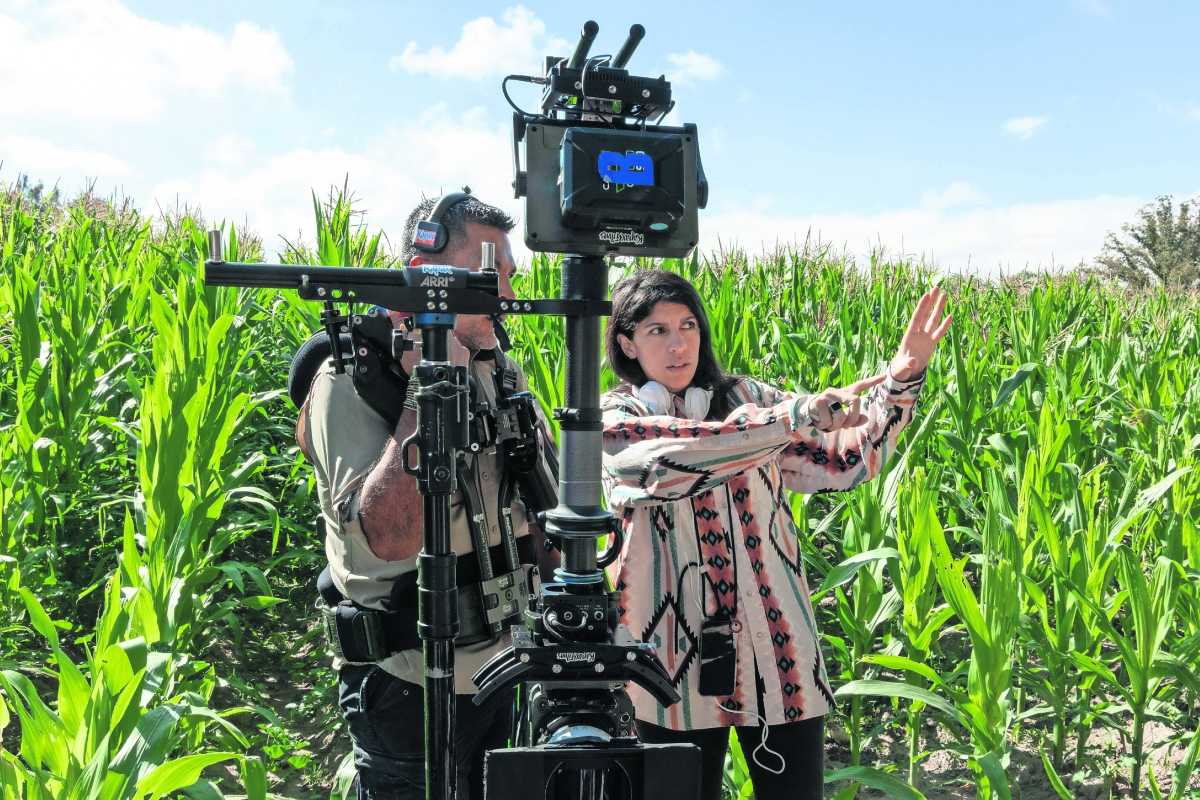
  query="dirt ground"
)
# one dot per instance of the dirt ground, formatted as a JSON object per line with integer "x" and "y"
{"x": 945, "y": 776}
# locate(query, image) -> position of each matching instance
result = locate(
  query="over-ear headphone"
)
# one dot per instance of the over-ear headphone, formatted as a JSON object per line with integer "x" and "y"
{"x": 430, "y": 235}
{"x": 660, "y": 401}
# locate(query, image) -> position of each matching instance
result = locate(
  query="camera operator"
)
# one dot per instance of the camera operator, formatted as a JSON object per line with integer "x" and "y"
{"x": 372, "y": 515}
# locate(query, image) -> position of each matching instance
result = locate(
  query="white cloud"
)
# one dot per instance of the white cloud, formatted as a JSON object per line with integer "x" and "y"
{"x": 231, "y": 149}
{"x": 1188, "y": 110}
{"x": 691, "y": 68}
{"x": 985, "y": 238}
{"x": 97, "y": 59}
{"x": 1024, "y": 127}
{"x": 433, "y": 153}
{"x": 956, "y": 194}
{"x": 487, "y": 49}
{"x": 38, "y": 156}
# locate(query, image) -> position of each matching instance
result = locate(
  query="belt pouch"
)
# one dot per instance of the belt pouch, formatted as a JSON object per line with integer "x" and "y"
{"x": 718, "y": 658}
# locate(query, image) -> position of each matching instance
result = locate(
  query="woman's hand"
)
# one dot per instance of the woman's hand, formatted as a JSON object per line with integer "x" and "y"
{"x": 834, "y": 409}
{"x": 922, "y": 337}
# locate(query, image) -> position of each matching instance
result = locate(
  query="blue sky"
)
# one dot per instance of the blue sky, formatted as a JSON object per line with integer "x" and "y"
{"x": 981, "y": 136}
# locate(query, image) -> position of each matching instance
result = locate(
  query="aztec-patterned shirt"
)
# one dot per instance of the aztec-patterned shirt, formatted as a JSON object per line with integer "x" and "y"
{"x": 707, "y": 523}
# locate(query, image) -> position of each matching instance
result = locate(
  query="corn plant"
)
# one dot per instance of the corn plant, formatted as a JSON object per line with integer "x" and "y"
{"x": 117, "y": 721}
{"x": 1051, "y": 463}
{"x": 914, "y": 572}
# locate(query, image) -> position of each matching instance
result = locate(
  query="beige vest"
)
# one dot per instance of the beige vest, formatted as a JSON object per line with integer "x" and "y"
{"x": 344, "y": 437}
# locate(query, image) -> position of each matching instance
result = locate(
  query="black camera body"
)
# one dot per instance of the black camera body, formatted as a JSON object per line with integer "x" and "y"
{"x": 598, "y": 178}
{"x": 593, "y": 189}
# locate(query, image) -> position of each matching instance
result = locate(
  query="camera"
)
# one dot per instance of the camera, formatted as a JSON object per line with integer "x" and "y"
{"x": 598, "y": 179}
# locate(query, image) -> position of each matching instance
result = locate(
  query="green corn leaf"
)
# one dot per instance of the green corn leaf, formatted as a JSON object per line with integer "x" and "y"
{"x": 203, "y": 790}
{"x": 258, "y": 602}
{"x": 1145, "y": 500}
{"x": 846, "y": 570}
{"x": 39, "y": 619}
{"x": 343, "y": 779}
{"x": 1055, "y": 781}
{"x": 254, "y": 778}
{"x": 989, "y": 763}
{"x": 849, "y": 793}
{"x": 874, "y": 688}
{"x": 176, "y": 774}
{"x": 149, "y": 743}
{"x": 1186, "y": 768}
{"x": 1011, "y": 384}
{"x": 875, "y": 779}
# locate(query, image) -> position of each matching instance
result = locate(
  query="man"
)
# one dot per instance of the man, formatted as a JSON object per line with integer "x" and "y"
{"x": 372, "y": 513}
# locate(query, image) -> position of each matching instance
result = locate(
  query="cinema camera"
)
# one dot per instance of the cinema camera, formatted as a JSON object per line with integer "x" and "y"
{"x": 598, "y": 180}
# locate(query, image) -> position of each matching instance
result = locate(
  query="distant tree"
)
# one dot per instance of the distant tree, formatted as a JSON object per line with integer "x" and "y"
{"x": 1161, "y": 245}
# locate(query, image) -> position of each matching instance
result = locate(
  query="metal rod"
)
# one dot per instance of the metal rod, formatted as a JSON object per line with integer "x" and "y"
{"x": 580, "y": 515}
{"x": 437, "y": 611}
{"x": 216, "y": 248}
{"x": 586, "y": 37}
{"x": 636, "y": 34}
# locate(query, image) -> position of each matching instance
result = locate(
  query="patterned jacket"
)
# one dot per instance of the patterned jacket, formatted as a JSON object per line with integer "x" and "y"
{"x": 707, "y": 523}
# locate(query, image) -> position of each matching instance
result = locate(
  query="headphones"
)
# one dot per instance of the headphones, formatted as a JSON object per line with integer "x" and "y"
{"x": 430, "y": 235}
{"x": 660, "y": 401}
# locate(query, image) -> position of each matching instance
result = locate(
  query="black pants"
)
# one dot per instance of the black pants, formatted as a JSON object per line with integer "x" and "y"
{"x": 386, "y": 720}
{"x": 801, "y": 743}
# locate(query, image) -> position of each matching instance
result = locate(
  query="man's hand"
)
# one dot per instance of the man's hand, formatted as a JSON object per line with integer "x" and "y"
{"x": 922, "y": 337}
{"x": 391, "y": 508}
{"x": 835, "y": 409}
{"x": 458, "y": 354}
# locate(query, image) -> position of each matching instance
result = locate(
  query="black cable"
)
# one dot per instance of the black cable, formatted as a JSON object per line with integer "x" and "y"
{"x": 504, "y": 88}
{"x": 599, "y": 61}
{"x": 664, "y": 114}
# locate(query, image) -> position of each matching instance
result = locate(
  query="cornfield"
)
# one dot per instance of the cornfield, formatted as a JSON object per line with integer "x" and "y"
{"x": 1011, "y": 610}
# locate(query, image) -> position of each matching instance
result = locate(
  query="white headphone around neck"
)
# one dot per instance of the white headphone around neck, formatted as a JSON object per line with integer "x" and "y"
{"x": 659, "y": 400}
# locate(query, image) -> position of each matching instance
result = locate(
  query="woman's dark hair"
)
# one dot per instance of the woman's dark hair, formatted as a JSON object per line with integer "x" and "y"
{"x": 633, "y": 299}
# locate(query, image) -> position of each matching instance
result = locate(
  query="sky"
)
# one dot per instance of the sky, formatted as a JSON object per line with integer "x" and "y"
{"x": 980, "y": 137}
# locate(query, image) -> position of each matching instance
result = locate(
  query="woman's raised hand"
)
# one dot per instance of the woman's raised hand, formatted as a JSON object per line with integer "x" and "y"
{"x": 925, "y": 330}
{"x": 834, "y": 409}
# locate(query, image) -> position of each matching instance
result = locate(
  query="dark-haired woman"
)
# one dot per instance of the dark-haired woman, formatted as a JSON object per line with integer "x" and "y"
{"x": 696, "y": 463}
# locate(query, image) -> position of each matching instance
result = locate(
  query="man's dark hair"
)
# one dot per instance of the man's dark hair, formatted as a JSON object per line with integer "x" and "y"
{"x": 632, "y": 301}
{"x": 455, "y": 222}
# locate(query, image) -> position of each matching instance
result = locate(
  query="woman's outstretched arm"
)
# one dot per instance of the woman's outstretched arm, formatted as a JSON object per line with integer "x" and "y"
{"x": 820, "y": 461}
{"x": 655, "y": 458}
{"x": 850, "y": 440}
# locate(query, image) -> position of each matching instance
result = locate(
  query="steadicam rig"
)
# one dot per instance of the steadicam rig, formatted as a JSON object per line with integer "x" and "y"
{"x": 598, "y": 180}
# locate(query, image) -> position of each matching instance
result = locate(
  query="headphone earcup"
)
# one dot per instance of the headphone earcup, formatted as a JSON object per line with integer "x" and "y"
{"x": 696, "y": 402}
{"x": 656, "y": 397}
{"x": 429, "y": 237}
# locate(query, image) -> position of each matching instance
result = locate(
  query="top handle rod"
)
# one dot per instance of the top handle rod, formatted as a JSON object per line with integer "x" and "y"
{"x": 216, "y": 247}
{"x": 636, "y": 34}
{"x": 293, "y": 276}
{"x": 586, "y": 37}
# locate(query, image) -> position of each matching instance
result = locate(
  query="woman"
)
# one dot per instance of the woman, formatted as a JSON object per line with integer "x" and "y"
{"x": 695, "y": 464}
